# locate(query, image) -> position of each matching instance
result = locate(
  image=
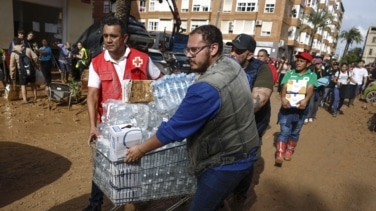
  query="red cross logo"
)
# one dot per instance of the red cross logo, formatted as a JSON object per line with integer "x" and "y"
{"x": 137, "y": 61}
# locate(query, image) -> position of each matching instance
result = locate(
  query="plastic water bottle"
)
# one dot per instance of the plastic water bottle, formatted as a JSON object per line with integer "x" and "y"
{"x": 171, "y": 93}
{"x": 178, "y": 87}
{"x": 159, "y": 93}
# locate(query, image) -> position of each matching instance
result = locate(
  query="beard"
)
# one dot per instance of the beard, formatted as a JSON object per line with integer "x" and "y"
{"x": 201, "y": 66}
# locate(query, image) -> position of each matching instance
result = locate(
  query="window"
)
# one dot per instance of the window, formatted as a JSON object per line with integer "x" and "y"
{"x": 266, "y": 28}
{"x": 165, "y": 25}
{"x": 269, "y": 6}
{"x": 152, "y": 5}
{"x": 227, "y": 5}
{"x": 201, "y": 5}
{"x": 184, "y": 25}
{"x": 243, "y": 26}
{"x": 184, "y": 5}
{"x": 142, "y": 7}
{"x": 196, "y": 8}
{"x": 246, "y": 6}
{"x": 197, "y": 23}
{"x": 370, "y": 51}
{"x": 153, "y": 24}
{"x": 373, "y": 39}
{"x": 227, "y": 27}
{"x": 155, "y": 6}
{"x": 106, "y": 6}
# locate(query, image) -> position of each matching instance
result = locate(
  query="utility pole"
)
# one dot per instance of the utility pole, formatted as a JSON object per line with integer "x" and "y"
{"x": 218, "y": 13}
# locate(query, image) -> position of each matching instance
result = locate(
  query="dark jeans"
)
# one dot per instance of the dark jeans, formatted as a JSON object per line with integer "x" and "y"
{"x": 45, "y": 67}
{"x": 214, "y": 186}
{"x": 313, "y": 105}
{"x": 96, "y": 196}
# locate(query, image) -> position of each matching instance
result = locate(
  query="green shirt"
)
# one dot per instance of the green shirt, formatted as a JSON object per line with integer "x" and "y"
{"x": 308, "y": 76}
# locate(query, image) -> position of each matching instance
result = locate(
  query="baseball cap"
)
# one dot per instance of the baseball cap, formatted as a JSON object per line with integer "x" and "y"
{"x": 244, "y": 42}
{"x": 318, "y": 61}
{"x": 305, "y": 56}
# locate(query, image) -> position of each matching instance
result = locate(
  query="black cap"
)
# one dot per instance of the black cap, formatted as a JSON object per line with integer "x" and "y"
{"x": 244, "y": 42}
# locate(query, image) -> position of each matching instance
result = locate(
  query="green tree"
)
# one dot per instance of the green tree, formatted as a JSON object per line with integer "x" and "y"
{"x": 353, "y": 56}
{"x": 319, "y": 19}
{"x": 350, "y": 36}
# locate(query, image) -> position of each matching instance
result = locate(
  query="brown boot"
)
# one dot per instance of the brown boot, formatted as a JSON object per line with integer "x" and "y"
{"x": 281, "y": 148}
{"x": 290, "y": 149}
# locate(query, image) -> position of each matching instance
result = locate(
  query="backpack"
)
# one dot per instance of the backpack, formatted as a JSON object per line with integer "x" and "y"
{"x": 26, "y": 67}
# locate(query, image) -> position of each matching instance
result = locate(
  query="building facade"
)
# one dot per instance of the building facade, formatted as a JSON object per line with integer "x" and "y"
{"x": 275, "y": 24}
{"x": 62, "y": 20}
{"x": 369, "y": 49}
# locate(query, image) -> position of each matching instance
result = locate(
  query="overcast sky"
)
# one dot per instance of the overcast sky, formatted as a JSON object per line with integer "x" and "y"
{"x": 360, "y": 14}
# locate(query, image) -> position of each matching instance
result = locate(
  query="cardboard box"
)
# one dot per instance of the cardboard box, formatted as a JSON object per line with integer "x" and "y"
{"x": 122, "y": 137}
{"x": 297, "y": 86}
{"x": 137, "y": 91}
{"x": 294, "y": 98}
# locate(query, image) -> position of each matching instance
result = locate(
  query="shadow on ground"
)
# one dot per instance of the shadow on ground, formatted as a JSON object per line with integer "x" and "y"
{"x": 20, "y": 177}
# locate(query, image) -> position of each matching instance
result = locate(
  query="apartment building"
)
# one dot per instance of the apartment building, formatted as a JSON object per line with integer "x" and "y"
{"x": 275, "y": 24}
{"x": 369, "y": 49}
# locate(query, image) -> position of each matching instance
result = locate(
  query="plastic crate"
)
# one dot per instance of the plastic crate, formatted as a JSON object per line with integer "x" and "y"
{"x": 160, "y": 174}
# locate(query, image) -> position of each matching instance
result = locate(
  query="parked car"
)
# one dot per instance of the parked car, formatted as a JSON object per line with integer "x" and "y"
{"x": 179, "y": 62}
{"x": 158, "y": 59}
{"x": 369, "y": 93}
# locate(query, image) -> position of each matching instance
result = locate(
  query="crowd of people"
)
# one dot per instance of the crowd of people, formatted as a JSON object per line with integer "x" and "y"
{"x": 223, "y": 115}
{"x": 43, "y": 57}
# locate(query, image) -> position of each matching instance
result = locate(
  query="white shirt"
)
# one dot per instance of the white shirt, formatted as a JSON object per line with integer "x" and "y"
{"x": 359, "y": 74}
{"x": 342, "y": 77}
{"x": 95, "y": 82}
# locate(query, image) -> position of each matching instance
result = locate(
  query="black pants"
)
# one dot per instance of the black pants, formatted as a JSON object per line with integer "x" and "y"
{"x": 77, "y": 72}
{"x": 45, "y": 67}
{"x": 96, "y": 195}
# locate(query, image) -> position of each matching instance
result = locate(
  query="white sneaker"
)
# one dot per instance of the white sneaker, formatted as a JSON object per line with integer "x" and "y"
{"x": 305, "y": 121}
{"x": 310, "y": 120}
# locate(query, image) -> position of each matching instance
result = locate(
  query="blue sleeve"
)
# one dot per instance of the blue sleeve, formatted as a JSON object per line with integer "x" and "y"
{"x": 200, "y": 105}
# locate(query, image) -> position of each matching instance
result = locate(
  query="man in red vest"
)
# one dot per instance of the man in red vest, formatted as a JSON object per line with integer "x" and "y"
{"x": 106, "y": 72}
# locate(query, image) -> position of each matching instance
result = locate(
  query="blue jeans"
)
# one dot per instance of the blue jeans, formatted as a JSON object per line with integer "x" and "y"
{"x": 337, "y": 102}
{"x": 327, "y": 95}
{"x": 290, "y": 130}
{"x": 214, "y": 186}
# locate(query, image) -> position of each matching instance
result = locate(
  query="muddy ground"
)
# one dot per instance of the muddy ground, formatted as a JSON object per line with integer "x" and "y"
{"x": 46, "y": 165}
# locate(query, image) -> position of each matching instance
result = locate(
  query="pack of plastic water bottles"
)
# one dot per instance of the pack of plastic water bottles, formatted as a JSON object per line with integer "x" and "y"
{"x": 159, "y": 174}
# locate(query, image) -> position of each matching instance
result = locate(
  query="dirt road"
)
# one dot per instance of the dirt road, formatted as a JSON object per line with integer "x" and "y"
{"x": 45, "y": 162}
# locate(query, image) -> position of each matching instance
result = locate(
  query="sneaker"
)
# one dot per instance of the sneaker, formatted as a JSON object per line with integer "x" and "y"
{"x": 310, "y": 120}
{"x": 334, "y": 114}
{"x": 305, "y": 121}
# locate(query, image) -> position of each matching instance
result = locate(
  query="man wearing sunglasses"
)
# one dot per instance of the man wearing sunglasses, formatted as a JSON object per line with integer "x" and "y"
{"x": 216, "y": 118}
{"x": 259, "y": 75}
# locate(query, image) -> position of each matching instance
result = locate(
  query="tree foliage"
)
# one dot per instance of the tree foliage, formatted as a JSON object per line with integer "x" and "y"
{"x": 350, "y": 36}
{"x": 319, "y": 19}
{"x": 353, "y": 56}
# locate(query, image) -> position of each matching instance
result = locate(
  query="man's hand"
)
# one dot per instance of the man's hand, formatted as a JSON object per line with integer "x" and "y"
{"x": 285, "y": 103}
{"x": 133, "y": 154}
{"x": 93, "y": 135}
{"x": 302, "y": 104}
